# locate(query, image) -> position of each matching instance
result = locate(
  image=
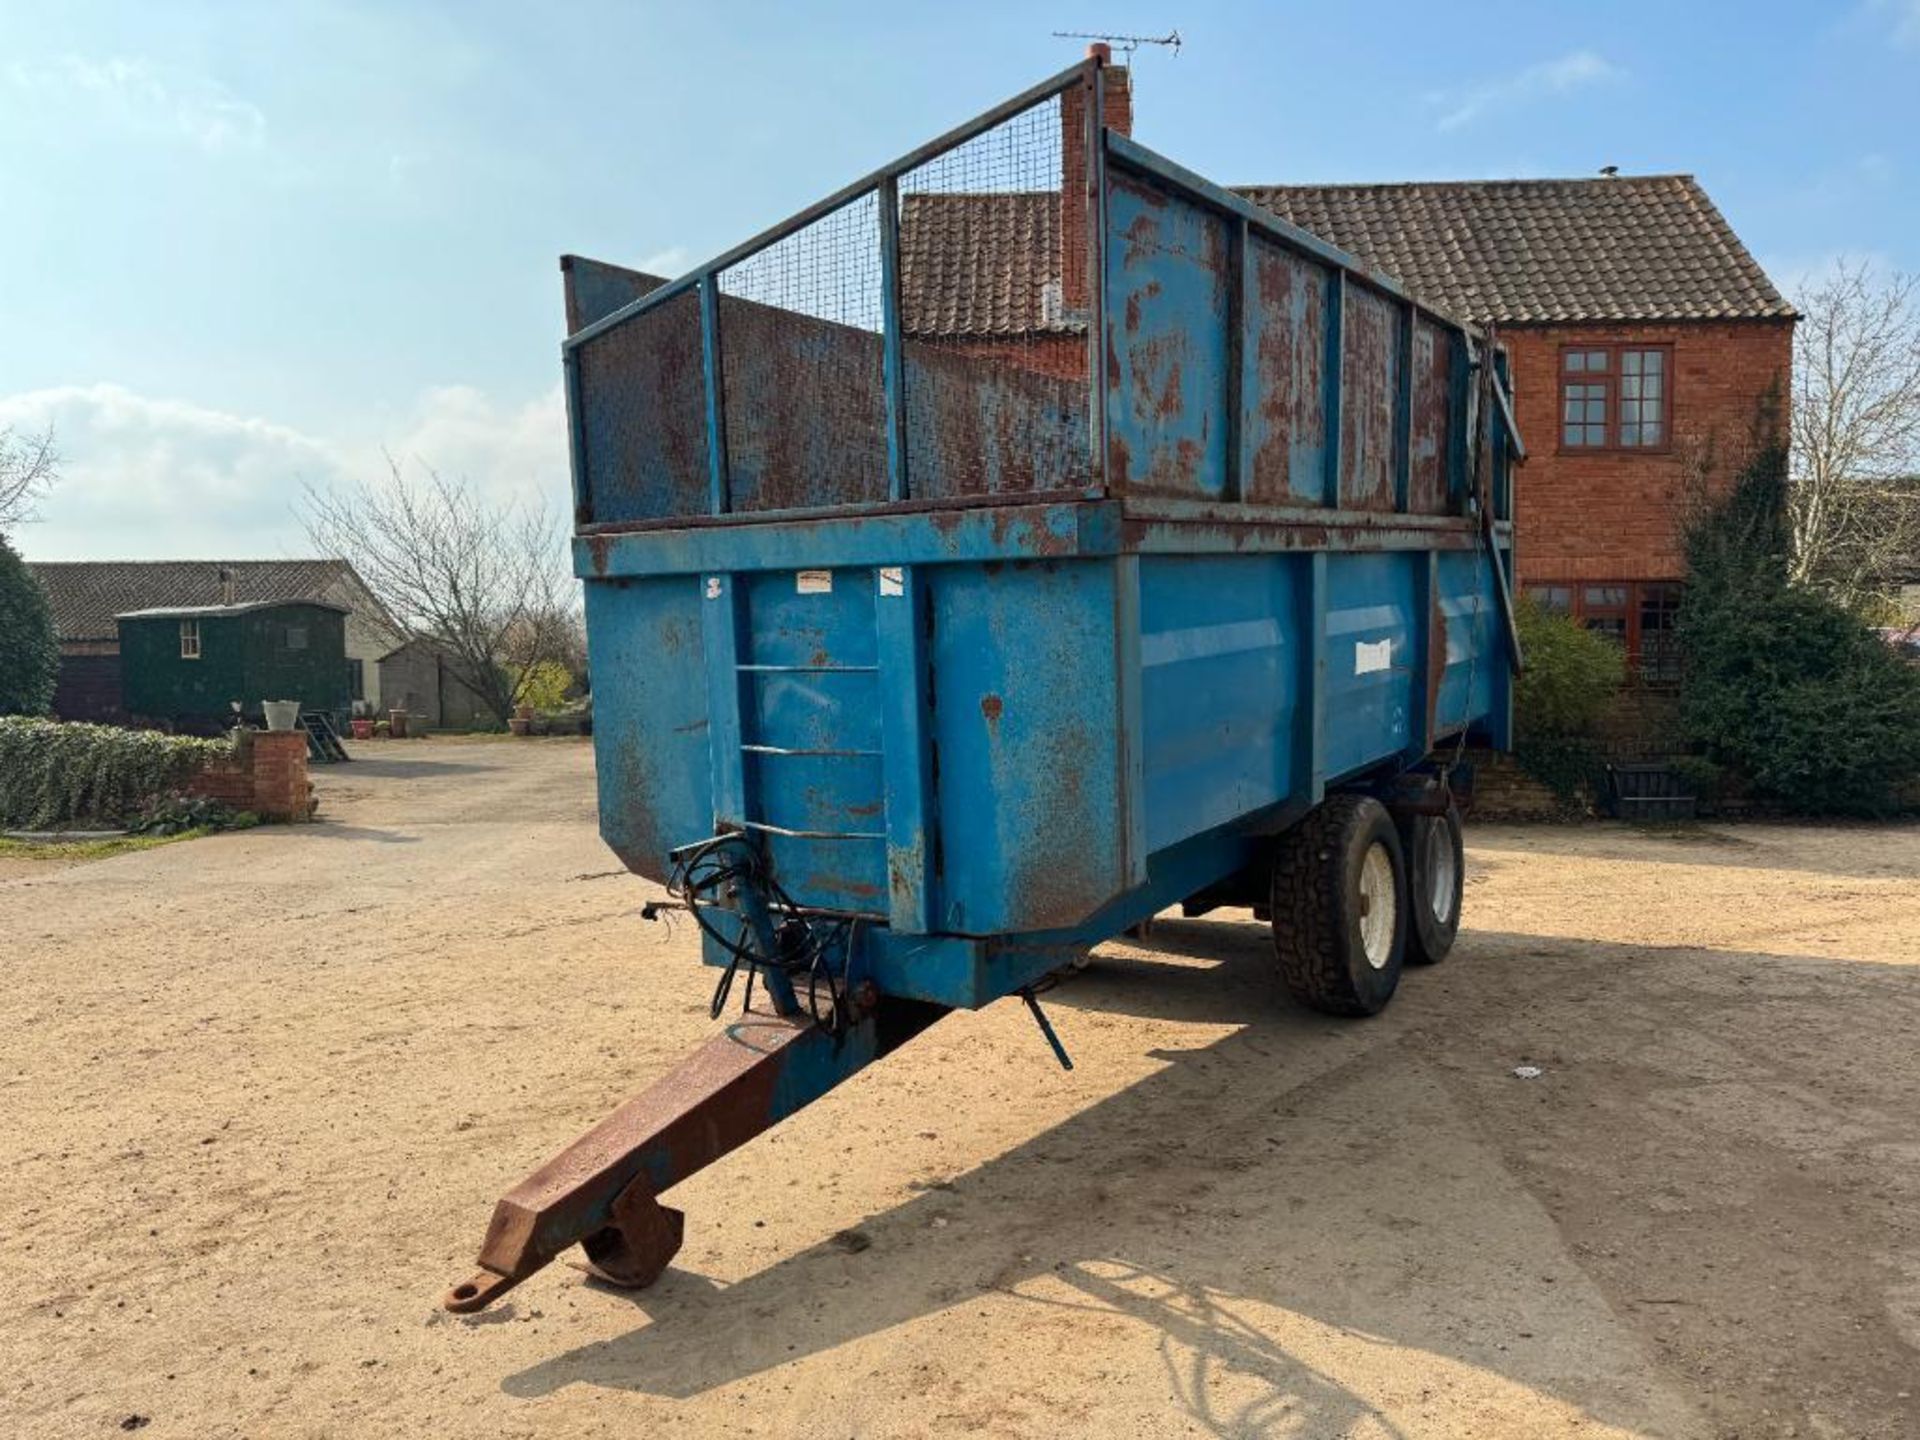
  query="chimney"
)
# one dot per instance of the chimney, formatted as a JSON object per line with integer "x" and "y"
{"x": 1117, "y": 115}
{"x": 226, "y": 586}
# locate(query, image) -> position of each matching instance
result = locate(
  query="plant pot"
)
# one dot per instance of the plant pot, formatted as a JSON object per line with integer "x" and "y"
{"x": 520, "y": 724}
{"x": 281, "y": 714}
{"x": 523, "y": 712}
{"x": 397, "y": 724}
{"x": 362, "y": 729}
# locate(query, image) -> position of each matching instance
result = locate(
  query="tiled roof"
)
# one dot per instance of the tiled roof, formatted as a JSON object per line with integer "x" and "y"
{"x": 1629, "y": 247}
{"x": 87, "y": 594}
{"x": 982, "y": 264}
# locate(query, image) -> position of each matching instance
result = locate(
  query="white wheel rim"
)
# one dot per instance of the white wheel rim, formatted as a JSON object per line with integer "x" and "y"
{"x": 1378, "y": 905}
{"x": 1442, "y": 878}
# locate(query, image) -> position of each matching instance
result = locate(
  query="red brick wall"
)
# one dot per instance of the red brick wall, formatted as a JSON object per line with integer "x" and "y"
{"x": 280, "y": 789}
{"x": 267, "y": 775}
{"x": 1616, "y": 516}
{"x": 1117, "y": 113}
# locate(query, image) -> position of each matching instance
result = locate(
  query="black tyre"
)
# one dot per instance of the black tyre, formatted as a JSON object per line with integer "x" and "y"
{"x": 1436, "y": 872}
{"x": 1340, "y": 907}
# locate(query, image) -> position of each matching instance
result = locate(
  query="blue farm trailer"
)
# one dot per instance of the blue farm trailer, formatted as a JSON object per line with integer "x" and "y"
{"x": 1025, "y": 539}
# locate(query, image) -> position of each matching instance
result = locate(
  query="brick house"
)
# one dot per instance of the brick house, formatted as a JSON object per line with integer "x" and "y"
{"x": 1641, "y": 332}
{"x": 85, "y": 595}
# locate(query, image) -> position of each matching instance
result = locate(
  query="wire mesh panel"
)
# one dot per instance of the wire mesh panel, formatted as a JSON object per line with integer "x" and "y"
{"x": 994, "y": 305}
{"x": 642, "y": 419}
{"x": 978, "y": 254}
{"x": 802, "y": 370}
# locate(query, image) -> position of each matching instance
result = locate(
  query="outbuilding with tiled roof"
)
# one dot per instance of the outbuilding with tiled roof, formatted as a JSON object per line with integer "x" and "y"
{"x": 87, "y": 595}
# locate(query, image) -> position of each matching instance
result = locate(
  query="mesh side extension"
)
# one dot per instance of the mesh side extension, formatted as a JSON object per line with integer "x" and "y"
{"x": 802, "y": 370}
{"x": 994, "y": 308}
{"x": 643, "y": 416}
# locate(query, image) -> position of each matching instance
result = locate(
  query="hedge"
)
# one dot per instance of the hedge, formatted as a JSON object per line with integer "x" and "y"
{"x": 1780, "y": 684}
{"x": 1571, "y": 677}
{"x": 54, "y": 774}
{"x": 1572, "y": 674}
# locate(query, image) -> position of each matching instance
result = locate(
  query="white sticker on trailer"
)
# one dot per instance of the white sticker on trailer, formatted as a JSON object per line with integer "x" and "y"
{"x": 713, "y": 587}
{"x": 893, "y": 580}
{"x": 814, "y": 582}
{"x": 1372, "y": 655}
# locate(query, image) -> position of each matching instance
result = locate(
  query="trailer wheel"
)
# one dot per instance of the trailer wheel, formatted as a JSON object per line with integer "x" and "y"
{"x": 1436, "y": 872}
{"x": 1340, "y": 907}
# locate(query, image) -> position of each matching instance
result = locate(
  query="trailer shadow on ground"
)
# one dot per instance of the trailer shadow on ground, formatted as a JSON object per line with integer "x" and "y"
{"x": 1382, "y": 1170}
{"x": 1748, "y": 845}
{"x": 325, "y": 829}
{"x": 362, "y": 768}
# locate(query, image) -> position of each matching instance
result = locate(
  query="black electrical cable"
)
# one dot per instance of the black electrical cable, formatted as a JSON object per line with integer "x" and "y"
{"x": 720, "y": 864}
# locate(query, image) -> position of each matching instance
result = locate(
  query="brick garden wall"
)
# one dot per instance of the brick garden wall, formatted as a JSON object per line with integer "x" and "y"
{"x": 1503, "y": 791}
{"x": 267, "y": 775}
{"x": 1616, "y": 516}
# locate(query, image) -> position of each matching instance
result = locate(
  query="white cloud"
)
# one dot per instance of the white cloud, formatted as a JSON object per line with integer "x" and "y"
{"x": 1544, "y": 80}
{"x": 148, "y": 478}
{"x": 1903, "y": 20}
{"x": 144, "y": 99}
{"x": 671, "y": 262}
{"x": 513, "y": 452}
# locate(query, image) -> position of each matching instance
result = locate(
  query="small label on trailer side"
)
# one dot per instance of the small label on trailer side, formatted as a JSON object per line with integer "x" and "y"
{"x": 713, "y": 587}
{"x": 893, "y": 580}
{"x": 1371, "y": 655}
{"x": 814, "y": 582}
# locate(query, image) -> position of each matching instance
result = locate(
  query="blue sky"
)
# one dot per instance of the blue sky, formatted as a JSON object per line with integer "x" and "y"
{"x": 247, "y": 245}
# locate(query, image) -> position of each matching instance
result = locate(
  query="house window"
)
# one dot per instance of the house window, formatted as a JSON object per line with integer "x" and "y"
{"x": 1554, "y": 599}
{"x": 356, "y": 678}
{"x": 296, "y": 637}
{"x": 189, "y": 639}
{"x": 1603, "y": 608}
{"x": 1658, "y": 644}
{"x": 1616, "y": 397}
{"x": 1639, "y": 616}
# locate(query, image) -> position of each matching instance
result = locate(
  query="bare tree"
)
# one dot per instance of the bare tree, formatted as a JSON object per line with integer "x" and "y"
{"x": 28, "y": 467}
{"x": 1854, "y": 504}
{"x": 489, "y": 584}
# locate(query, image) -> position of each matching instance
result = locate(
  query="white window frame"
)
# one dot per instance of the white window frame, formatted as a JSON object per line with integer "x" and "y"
{"x": 189, "y": 639}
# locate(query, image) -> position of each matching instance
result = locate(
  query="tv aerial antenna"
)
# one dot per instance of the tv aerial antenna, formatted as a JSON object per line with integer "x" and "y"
{"x": 1125, "y": 44}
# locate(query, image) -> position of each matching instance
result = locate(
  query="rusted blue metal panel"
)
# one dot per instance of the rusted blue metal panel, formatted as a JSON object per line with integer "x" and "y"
{"x": 1168, "y": 279}
{"x": 651, "y": 750}
{"x": 979, "y": 426}
{"x": 595, "y": 289}
{"x": 1027, "y": 726}
{"x": 1287, "y": 426}
{"x": 1432, "y": 420}
{"x": 1369, "y": 387}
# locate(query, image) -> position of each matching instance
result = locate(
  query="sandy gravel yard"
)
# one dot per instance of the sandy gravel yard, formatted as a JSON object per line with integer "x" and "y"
{"x": 262, "y": 1090}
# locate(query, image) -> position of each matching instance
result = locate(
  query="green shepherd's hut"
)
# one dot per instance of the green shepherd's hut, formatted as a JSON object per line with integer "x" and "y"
{"x": 198, "y": 667}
